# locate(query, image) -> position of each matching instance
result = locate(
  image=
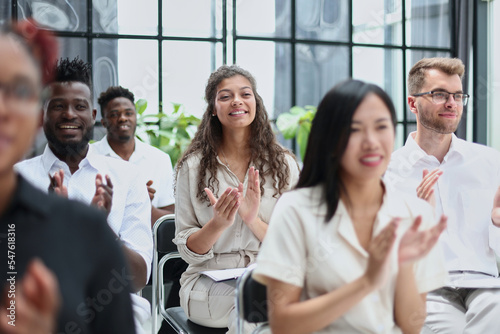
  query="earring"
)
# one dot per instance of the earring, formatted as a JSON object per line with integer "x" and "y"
{"x": 213, "y": 115}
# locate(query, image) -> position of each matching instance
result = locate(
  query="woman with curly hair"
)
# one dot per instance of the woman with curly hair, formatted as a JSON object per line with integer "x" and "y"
{"x": 228, "y": 181}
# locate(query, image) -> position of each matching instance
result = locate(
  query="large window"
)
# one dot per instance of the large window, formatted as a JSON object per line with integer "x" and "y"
{"x": 164, "y": 50}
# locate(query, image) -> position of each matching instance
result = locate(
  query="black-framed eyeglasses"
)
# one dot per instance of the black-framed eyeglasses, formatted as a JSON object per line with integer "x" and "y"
{"x": 439, "y": 97}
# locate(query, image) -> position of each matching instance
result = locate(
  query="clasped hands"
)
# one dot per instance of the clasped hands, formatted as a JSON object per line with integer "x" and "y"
{"x": 233, "y": 201}
{"x": 103, "y": 191}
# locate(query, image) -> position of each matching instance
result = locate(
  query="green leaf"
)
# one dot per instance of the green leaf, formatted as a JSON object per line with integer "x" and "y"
{"x": 303, "y": 137}
{"x": 141, "y": 105}
{"x": 287, "y": 124}
{"x": 296, "y": 110}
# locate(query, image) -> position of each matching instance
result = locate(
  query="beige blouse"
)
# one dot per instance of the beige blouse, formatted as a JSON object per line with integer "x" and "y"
{"x": 237, "y": 247}
{"x": 303, "y": 250}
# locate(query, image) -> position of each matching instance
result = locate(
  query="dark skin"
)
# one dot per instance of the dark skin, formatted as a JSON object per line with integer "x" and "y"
{"x": 68, "y": 116}
{"x": 120, "y": 120}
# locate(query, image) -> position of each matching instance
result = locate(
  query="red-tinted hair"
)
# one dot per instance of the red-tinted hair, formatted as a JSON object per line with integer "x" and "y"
{"x": 41, "y": 44}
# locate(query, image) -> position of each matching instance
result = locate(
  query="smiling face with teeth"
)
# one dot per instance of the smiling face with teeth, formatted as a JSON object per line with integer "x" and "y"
{"x": 235, "y": 104}
{"x": 120, "y": 120}
{"x": 68, "y": 118}
{"x": 371, "y": 141}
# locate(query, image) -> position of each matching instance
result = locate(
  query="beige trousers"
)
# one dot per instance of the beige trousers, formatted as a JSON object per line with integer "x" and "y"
{"x": 463, "y": 311}
{"x": 213, "y": 304}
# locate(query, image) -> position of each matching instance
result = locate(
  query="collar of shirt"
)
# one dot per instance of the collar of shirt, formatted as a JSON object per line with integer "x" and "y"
{"x": 392, "y": 207}
{"x": 419, "y": 154}
{"x": 138, "y": 153}
{"x": 51, "y": 163}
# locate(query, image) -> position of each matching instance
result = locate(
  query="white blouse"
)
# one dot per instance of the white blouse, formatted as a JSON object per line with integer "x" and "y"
{"x": 304, "y": 250}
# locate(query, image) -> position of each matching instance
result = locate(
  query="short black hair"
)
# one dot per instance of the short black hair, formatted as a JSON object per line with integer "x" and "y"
{"x": 112, "y": 93}
{"x": 75, "y": 70}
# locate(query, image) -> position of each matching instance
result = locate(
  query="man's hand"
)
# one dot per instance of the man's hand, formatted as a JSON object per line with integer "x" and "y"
{"x": 103, "y": 193}
{"x": 151, "y": 190}
{"x": 425, "y": 189}
{"x": 495, "y": 213}
{"x": 57, "y": 184}
{"x": 37, "y": 302}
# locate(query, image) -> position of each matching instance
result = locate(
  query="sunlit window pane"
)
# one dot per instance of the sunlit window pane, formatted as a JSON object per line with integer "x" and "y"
{"x": 319, "y": 68}
{"x": 186, "y": 68}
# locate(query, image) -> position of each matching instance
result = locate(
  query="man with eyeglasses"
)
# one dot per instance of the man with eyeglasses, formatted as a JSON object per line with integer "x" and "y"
{"x": 461, "y": 180}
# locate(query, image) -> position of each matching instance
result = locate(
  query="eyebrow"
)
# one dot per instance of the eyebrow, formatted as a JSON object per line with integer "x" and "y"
{"x": 228, "y": 90}
{"x": 460, "y": 91}
{"x": 61, "y": 99}
{"x": 383, "y": 119}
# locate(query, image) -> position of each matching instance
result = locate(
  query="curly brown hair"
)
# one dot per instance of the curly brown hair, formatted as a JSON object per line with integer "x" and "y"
{"x": 267, "y": 154}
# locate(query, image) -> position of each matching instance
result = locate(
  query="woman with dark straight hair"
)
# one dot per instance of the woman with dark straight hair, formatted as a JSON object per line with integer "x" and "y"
{"x": 343, "y": 253}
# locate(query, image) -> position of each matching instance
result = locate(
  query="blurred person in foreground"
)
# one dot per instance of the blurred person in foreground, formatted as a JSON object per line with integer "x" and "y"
{"x": 343, "y": 254}
{"x": 62, "y": 270}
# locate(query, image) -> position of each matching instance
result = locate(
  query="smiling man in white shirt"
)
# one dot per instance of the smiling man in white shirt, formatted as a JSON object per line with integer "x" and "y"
{"x": 120, "y": 119}
{"x": 460, "y": 179}
{"x": 69, "y": 167}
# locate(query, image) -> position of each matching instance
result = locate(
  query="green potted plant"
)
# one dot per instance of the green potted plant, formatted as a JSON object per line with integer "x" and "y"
{"x": 297, "y": 124}
{"x": 171, "y": 133}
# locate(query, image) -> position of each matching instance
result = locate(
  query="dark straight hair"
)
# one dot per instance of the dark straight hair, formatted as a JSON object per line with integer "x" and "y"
{"x": 329, "y": 136}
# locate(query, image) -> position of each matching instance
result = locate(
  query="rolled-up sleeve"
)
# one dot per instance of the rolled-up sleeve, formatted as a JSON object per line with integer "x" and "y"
{"x": 186, "y": 220}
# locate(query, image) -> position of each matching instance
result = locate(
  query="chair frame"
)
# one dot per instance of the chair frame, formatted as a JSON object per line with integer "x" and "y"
{"x": 155, "y": 286}
{"x": 244, "y": 279}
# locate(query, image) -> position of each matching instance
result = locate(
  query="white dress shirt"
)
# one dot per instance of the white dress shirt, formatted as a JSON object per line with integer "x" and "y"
{"x": 304, "y": 250}
{"x": 464, "y": 193}
{"x": 153, "y": 164}
{"x": 130, "y": 215}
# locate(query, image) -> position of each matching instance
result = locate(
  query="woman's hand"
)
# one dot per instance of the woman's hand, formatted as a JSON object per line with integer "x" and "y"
{"x": 379, "y": 249}
{"x": 225, "y": 207}
{"x": 250, "y": 204}
{"x": 416, "y": 244}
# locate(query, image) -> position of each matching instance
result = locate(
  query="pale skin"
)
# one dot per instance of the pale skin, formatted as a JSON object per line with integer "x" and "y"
{"x": 233, "y": 93}
{"x": 435, "y": 143}
{"x": 37, "y": 302}
{"x": 372, "y": 135}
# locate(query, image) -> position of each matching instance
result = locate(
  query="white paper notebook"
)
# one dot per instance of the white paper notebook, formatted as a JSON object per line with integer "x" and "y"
{"x": 226, "y": 274}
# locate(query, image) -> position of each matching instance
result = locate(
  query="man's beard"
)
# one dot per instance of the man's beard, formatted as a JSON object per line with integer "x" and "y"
{"x": 71, "y": 148}
{"x": 434, "y": 124}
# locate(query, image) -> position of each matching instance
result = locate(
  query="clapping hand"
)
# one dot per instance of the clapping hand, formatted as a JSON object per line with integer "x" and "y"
{"x": 425, "y": 189}
{"x": 225, "y": 207}
{"x": 103, "y": 193}
{"x": 416, "y": 244}
{"x": 151, "y": 190}
{"x": 37, "y": 302}
{"x": 249, "y": 207}
{"x": 495, "y": 213}
{"x": 379, "y": 250}
{"x": 57, "y": 184}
